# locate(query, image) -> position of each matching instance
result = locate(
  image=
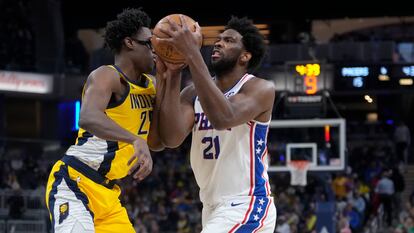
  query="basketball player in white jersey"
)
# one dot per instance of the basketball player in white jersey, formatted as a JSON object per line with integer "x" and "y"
{"x": 229, "y": 117}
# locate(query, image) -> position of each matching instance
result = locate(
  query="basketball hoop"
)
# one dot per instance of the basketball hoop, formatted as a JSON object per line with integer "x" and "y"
{"x": 298, "y": 170}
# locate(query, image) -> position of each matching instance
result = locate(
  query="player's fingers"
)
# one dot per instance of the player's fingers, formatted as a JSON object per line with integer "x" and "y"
{"x": 183, "y": 22}
{"x": 173, "y": 25}
{"x": 182, "y": 66}
{"x": 144, "y": 170}
{"x": 166, "y": 31}
{"x": 139, "y": 175}
{"x": 159, "y": 64}
{"x": 165, "y": 40}
{"x": 133, "y": 157}
{"x": 133, "y": 168}
{"x": 197, "y": 28}
{"x": 145, "y": 173}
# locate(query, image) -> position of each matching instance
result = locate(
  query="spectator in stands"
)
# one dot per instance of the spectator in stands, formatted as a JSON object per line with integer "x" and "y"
{"x": 407, "y": 226}
{"x": 339, "y": 186}
{"x": 183, "y": 225}
{"x": 344, "y": 226}
{"x": 399, "y": 185}
{"x": 402, "y": 140}
{"x": 12, "y": 181}
{"x": 282, "y": 225}
{"x": 385, "y": 189}
{"x": 139, "y": 226}
{"x": 16, "y": 204}
{"x": 358, "y": 202}
{"x": 311, "y": 219}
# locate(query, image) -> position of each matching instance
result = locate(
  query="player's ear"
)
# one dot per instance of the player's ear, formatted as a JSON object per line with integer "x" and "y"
{"x": 246, "y": 56}
{"x": 128, "y": 42}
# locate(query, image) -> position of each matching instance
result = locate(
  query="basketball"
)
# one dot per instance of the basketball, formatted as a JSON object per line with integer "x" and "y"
{"x": 165, "y": 50}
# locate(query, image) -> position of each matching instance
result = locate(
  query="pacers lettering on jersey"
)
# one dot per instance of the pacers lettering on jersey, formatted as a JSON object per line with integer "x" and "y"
{"x": 141, "y": 101}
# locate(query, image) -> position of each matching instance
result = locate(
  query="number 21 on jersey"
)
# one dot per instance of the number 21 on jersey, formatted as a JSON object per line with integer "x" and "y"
{"x": 212, "y": 149}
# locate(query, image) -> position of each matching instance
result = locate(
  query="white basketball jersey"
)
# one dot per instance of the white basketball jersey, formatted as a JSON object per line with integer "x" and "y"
{"x": 229, "y": 163}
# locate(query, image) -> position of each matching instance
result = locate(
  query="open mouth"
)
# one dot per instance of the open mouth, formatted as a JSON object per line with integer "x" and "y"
{"x": 216, "y": 54}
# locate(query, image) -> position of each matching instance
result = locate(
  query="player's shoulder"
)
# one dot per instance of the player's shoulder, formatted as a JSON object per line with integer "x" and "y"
{"x": 103, "y": 72}
{"x": 260, "y": 84}
{"x": 103, "y": 76}
{"x": 189, "y": 93}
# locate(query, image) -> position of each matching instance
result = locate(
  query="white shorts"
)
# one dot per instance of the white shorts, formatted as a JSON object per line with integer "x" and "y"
{"x": 246, "y": 214}
{"x": 70, "y": 211}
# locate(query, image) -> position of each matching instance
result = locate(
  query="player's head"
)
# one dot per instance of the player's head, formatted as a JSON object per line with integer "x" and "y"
{"x": 241, "y": 43}
{"x": 130, "y": 34}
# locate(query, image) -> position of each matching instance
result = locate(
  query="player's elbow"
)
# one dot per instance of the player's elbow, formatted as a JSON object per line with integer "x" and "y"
{"x": 84, "y": 122}
{"x": 156, "y": 147}
{"x": 172, "y": 140}
{"x": 172, "y": 143}
{"x": 87, "y": 120}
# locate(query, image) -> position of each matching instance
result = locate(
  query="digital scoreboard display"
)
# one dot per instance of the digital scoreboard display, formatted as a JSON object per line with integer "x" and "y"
{"x": 309, "y": 73}
{"x": 307, "y": 78}
{"x": 378, "y": 77}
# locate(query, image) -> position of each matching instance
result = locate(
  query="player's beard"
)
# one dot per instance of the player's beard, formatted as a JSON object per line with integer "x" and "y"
{"x": 223, "y": 65}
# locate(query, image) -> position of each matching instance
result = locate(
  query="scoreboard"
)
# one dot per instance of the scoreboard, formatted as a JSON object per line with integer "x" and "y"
{"x": 307, "y": 78}
{"x": 374, "y": 77}
{"x": 311, "y": 78}
{"x": 310, "y": 73}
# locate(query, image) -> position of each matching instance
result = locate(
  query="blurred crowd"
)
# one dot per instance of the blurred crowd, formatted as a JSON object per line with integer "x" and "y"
{"x": 17, "y": 44}
{"x": 367, "y": 196}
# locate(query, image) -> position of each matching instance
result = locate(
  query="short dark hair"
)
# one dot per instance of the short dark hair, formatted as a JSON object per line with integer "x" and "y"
{"x": 253, "y": 40}
{"x": 127, "y": 23}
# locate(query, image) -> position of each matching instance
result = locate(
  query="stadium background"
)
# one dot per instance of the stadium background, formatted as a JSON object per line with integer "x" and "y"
{"x": 62, "y": 40}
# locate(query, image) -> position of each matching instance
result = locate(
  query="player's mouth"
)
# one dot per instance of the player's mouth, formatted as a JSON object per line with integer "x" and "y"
{"x": 216, "y": 54}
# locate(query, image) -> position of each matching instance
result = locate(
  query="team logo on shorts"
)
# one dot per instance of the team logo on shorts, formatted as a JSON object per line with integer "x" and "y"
{"x": 63, "y": 211}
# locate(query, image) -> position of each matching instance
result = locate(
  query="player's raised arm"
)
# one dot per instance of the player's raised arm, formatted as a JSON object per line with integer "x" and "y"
{"x": 177, "y": 112}
{"x": 154, "y": 139}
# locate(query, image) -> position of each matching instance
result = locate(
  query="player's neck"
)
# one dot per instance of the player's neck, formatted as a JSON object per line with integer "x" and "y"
{"x": 127, "y": 67}
{"x": 225, "y": 81}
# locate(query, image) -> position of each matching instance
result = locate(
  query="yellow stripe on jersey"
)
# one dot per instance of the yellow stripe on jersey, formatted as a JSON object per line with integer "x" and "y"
{"x": 133, "y": 113}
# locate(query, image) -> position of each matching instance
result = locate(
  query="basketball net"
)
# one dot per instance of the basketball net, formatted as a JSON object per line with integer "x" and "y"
{"x": 298, "y": 170}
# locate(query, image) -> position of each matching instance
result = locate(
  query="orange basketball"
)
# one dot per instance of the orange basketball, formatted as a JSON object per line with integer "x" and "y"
{"x": 165, "y": 50}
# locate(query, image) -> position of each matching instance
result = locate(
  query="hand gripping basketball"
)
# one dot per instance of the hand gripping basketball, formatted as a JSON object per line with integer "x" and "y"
{"x": 164, "y": 49}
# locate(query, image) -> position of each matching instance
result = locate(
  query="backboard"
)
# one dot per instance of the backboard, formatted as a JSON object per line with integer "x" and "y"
{"x": 319, "y": 141}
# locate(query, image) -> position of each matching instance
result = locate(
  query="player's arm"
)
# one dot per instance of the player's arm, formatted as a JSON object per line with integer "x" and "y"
{"x": 98, "y": 90}
{"x": 177, "y": 112}
{"x": 254, "y": 101}
{"x": 154, "y": 139}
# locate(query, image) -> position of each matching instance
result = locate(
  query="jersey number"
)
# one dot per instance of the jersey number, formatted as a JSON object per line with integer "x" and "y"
{"x": 146, "y": 115}
{"x": 212, "y": 150}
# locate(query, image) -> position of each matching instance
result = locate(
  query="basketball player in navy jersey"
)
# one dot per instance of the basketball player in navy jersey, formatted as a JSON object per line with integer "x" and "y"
{"x": 229, "y": 116}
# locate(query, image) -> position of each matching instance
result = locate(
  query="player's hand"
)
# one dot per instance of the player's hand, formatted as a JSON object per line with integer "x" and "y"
{"x": 167, "y": 70}
{"x": 141, "y": 159}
